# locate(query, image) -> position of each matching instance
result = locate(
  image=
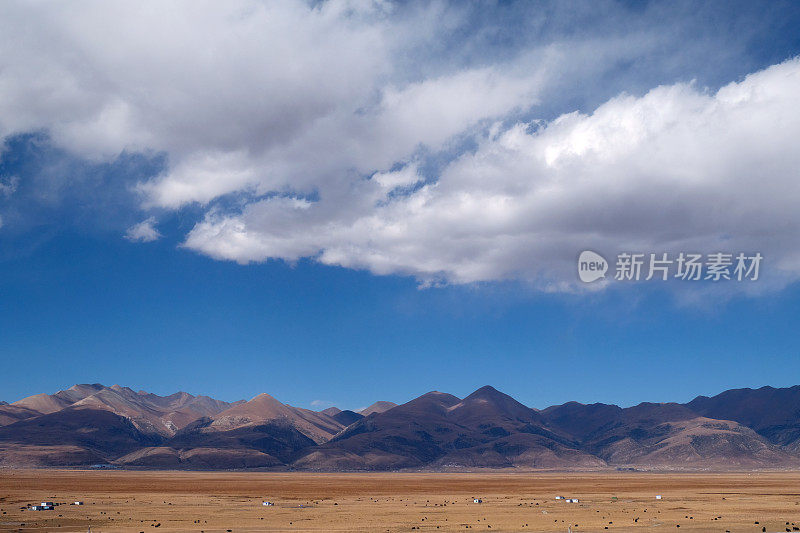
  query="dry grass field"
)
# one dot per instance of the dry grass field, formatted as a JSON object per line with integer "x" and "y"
{"x": 231, "y": 501}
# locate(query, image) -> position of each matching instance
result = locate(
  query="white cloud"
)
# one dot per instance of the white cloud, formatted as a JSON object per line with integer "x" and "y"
{"x": 318, "y": 118}
{"x": 144, "y": 231}
{"x": 245, "y": 95}
{"x": 675, "y": 169}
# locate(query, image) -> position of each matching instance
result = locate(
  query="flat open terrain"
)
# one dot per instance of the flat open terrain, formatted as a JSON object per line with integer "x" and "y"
{"x": 214, "y": 501}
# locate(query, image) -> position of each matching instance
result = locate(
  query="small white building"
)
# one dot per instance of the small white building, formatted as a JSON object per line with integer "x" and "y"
{"x": 658, "y": 496}
{"x": 41, "y": 507}
{"x": 77, "y": 503}
{"x": 477, "y": 500}
{"x": 48, "y": 504}
{"x": 572, "y": 500}
{"x": 267, "y": 504}
{"x": 559, "y": 497}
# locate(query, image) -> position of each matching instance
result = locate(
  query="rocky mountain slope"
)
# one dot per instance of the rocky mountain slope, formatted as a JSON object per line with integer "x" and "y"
{"x": 89, "y": 424}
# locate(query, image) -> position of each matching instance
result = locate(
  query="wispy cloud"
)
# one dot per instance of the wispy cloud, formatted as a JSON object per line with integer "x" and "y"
{"x": 144, "y": 231}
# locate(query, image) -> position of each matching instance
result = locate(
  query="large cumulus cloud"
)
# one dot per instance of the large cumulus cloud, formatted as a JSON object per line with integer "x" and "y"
{"x": 403, "y": 139}
{"x": 678, "y": 169}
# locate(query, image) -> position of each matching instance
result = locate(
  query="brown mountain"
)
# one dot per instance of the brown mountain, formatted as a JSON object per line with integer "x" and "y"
{"x": 377, "y": 407}
{"x": 72, "y": 436}
{"x": 150, "y": 413}
{"x": 399, "y": 438}
{"x": 264, "y": 408}
{"x": 485, "y": 429}
{"x": 347, "y": 417}
{"x": 43, "y": 403}
{"x": 270, "y": 443}
{"x": 177, "y": 431}
{"x": 664, "y": 435}
{"x": 698, "y": 443}
{"x": 14, "y": 413}
{"x": 162, "y": 415}
{"x": 262, "y": 432}
{"x": 89, "y": 424}
{"x": 772, "y": 413}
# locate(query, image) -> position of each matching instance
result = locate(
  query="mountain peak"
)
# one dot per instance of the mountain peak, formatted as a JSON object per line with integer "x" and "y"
{"x": 488, "y": 403}
{"x": 378, "y": 407}
{"x": 263, "y": 397}
{"x": 488, "y": 393}
{"x": 83, "y": 386}
{"x": 485, "y": 392}
{"x": 438, "y": 396}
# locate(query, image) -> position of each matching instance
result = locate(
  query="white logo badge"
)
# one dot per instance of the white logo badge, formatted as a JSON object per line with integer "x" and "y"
{"x": 591, "y": 266}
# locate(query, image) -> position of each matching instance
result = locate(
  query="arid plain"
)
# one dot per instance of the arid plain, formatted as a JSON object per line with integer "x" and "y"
{"x": 520, "y": 501}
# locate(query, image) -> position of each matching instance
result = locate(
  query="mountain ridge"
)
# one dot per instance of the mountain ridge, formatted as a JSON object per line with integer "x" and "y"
{"x": 92, "y": 423}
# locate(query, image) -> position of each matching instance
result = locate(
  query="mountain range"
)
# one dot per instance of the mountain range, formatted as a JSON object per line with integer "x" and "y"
{"x": 97, "y": 425}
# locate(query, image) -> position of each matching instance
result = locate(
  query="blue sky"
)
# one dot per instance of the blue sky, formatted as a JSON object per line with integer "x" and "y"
{"x": 338, "y": 205}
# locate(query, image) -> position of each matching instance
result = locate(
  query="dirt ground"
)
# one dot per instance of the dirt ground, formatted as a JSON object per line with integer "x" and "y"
{"x": 231, "y": 501}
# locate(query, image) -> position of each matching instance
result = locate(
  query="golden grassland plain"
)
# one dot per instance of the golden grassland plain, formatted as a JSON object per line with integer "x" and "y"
{"x": 232, "y": 501}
